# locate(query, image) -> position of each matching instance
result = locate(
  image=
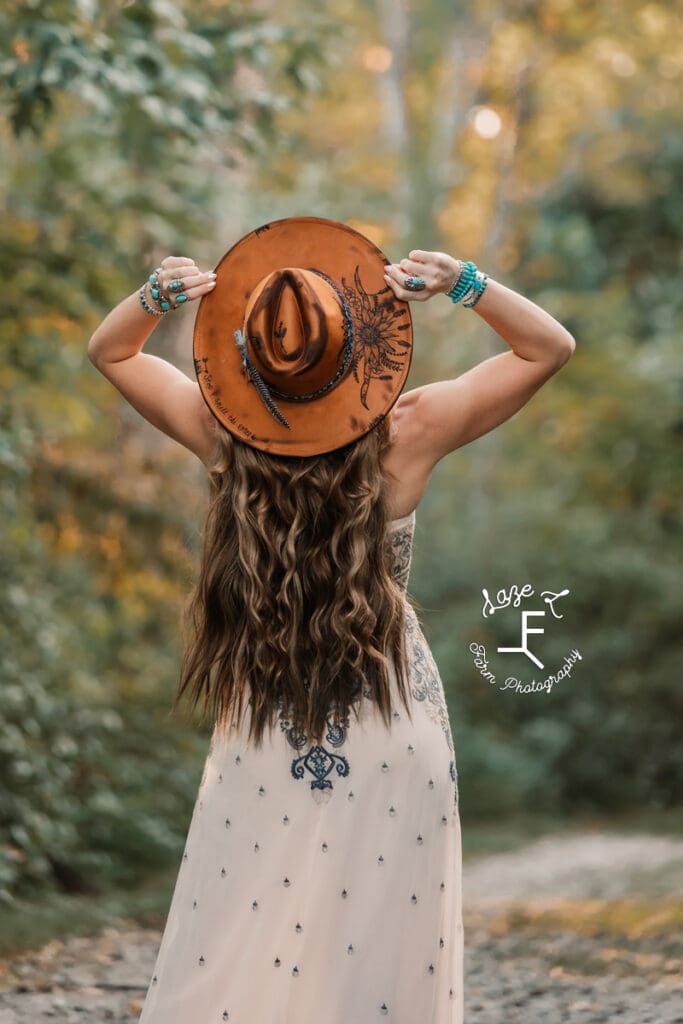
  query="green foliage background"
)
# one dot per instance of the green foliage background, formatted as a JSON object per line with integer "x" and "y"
{"x": 136, "y": 130}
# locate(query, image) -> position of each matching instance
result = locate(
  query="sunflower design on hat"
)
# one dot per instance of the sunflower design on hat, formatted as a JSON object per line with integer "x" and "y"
{"x": 378, "y": 322}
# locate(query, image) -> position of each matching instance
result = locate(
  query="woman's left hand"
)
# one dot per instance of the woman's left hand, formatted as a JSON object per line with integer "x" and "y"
{"x": 182, "y": 268}
{"x": 437, "y": 270}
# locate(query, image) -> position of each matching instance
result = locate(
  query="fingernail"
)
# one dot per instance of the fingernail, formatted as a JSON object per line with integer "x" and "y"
{"x": 212, "y": 274}
{"x": 212, "y": 284}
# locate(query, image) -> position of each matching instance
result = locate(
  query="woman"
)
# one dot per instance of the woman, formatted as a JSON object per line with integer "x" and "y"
{"x": 321, "y": 878}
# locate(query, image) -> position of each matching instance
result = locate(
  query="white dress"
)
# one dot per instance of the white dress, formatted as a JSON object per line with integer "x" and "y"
{"x": 321, "y": 884}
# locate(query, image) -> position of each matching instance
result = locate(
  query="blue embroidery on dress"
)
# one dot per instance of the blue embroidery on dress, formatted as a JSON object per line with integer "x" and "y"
{"x": 336, "y": 731}
{"x": 426, "y": 684}
{"x": 453, "y": 772}
{"x": 426, "y": 681}
{"x": 320, "y": 763}
{"x": 401, "y": 548}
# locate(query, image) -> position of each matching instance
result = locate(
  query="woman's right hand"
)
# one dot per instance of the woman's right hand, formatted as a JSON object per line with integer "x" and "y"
{"x": 438, "y": 270}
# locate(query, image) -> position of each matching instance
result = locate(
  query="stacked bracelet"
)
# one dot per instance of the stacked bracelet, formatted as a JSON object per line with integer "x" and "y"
{"x": 477, "y": 290}
{"x": 146, "y": 306}
{"x": 164, "y": 306}
{"x": 463, "y": 282}
{"x": 470, "y": 284}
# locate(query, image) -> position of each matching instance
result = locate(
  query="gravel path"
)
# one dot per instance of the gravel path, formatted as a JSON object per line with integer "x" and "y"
{"x": 580, "y": 929}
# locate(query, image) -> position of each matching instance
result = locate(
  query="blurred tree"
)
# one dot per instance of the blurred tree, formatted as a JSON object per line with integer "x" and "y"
{"x": 126, "y": 124}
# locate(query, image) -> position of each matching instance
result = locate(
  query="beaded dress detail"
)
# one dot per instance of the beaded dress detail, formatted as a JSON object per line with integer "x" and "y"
{"x": 323, "y": 882}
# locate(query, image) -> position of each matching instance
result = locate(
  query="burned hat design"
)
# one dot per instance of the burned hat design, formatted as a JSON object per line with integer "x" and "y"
{"x": 302, "y": 347}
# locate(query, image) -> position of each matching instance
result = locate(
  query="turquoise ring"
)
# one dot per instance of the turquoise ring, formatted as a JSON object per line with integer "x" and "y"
{"x": 415, "y": 284}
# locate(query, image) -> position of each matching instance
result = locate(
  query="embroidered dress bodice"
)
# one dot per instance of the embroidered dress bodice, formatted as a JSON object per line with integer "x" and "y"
{"x": 401, "y": 532}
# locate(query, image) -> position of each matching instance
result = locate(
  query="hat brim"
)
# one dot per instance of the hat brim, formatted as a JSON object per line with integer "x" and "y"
{"x": 382, "y": 338}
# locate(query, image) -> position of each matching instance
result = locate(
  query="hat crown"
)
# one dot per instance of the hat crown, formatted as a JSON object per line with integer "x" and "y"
{"x": 296, "y": 331}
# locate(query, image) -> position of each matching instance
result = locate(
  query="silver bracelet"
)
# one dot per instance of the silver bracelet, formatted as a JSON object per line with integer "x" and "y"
{"x": 481, "y": 280}
{"x": 146, "y": 306}
{"x": 476, "y": 289}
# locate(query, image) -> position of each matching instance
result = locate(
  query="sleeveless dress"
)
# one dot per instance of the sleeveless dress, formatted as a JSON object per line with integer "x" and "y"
{"x": 323, "y": 883}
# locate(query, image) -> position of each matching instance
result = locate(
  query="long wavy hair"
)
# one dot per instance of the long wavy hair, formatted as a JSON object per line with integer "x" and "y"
{"x": 295, "y": 610}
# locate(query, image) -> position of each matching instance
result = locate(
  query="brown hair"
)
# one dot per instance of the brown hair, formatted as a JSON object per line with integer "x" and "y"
{"x": 295, "y": 604}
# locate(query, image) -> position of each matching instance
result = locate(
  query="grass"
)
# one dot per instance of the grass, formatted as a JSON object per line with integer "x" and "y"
{"x": 624, "y": 918}
{"x": 29, "y": 924}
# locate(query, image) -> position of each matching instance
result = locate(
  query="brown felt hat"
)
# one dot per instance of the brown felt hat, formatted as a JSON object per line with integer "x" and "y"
{"x": 302, "y": 347}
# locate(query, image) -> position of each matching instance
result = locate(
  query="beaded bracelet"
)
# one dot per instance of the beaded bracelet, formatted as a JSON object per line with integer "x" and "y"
{"x": 470, "y": 284}
{"x": 463, "y": 282}
{"x": 150, "y": 309}
{"x": 478, "y": 289}
{"x": 164, "y": 306}
{"x": 155, "y": 289}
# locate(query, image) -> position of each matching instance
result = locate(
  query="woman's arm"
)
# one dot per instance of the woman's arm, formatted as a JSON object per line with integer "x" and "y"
{"x": 160, "y": 392}
{"x": 454, "y": 412}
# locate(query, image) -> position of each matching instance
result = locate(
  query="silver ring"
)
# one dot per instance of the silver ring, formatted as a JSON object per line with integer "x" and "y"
{"x": 415, "y": 284}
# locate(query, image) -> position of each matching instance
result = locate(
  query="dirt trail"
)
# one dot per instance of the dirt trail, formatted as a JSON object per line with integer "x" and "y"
{"x": 581, "y": 929}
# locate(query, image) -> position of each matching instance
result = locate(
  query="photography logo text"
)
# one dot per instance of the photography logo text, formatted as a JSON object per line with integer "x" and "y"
{"x": 512, "y": 599}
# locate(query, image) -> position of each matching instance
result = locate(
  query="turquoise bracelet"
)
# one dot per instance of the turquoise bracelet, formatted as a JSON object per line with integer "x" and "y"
{"x": 471, "y": 285}
{"x": 462, "y": 285}
{"x": 163, "y": 304}
{"x": 146, "y": 306}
